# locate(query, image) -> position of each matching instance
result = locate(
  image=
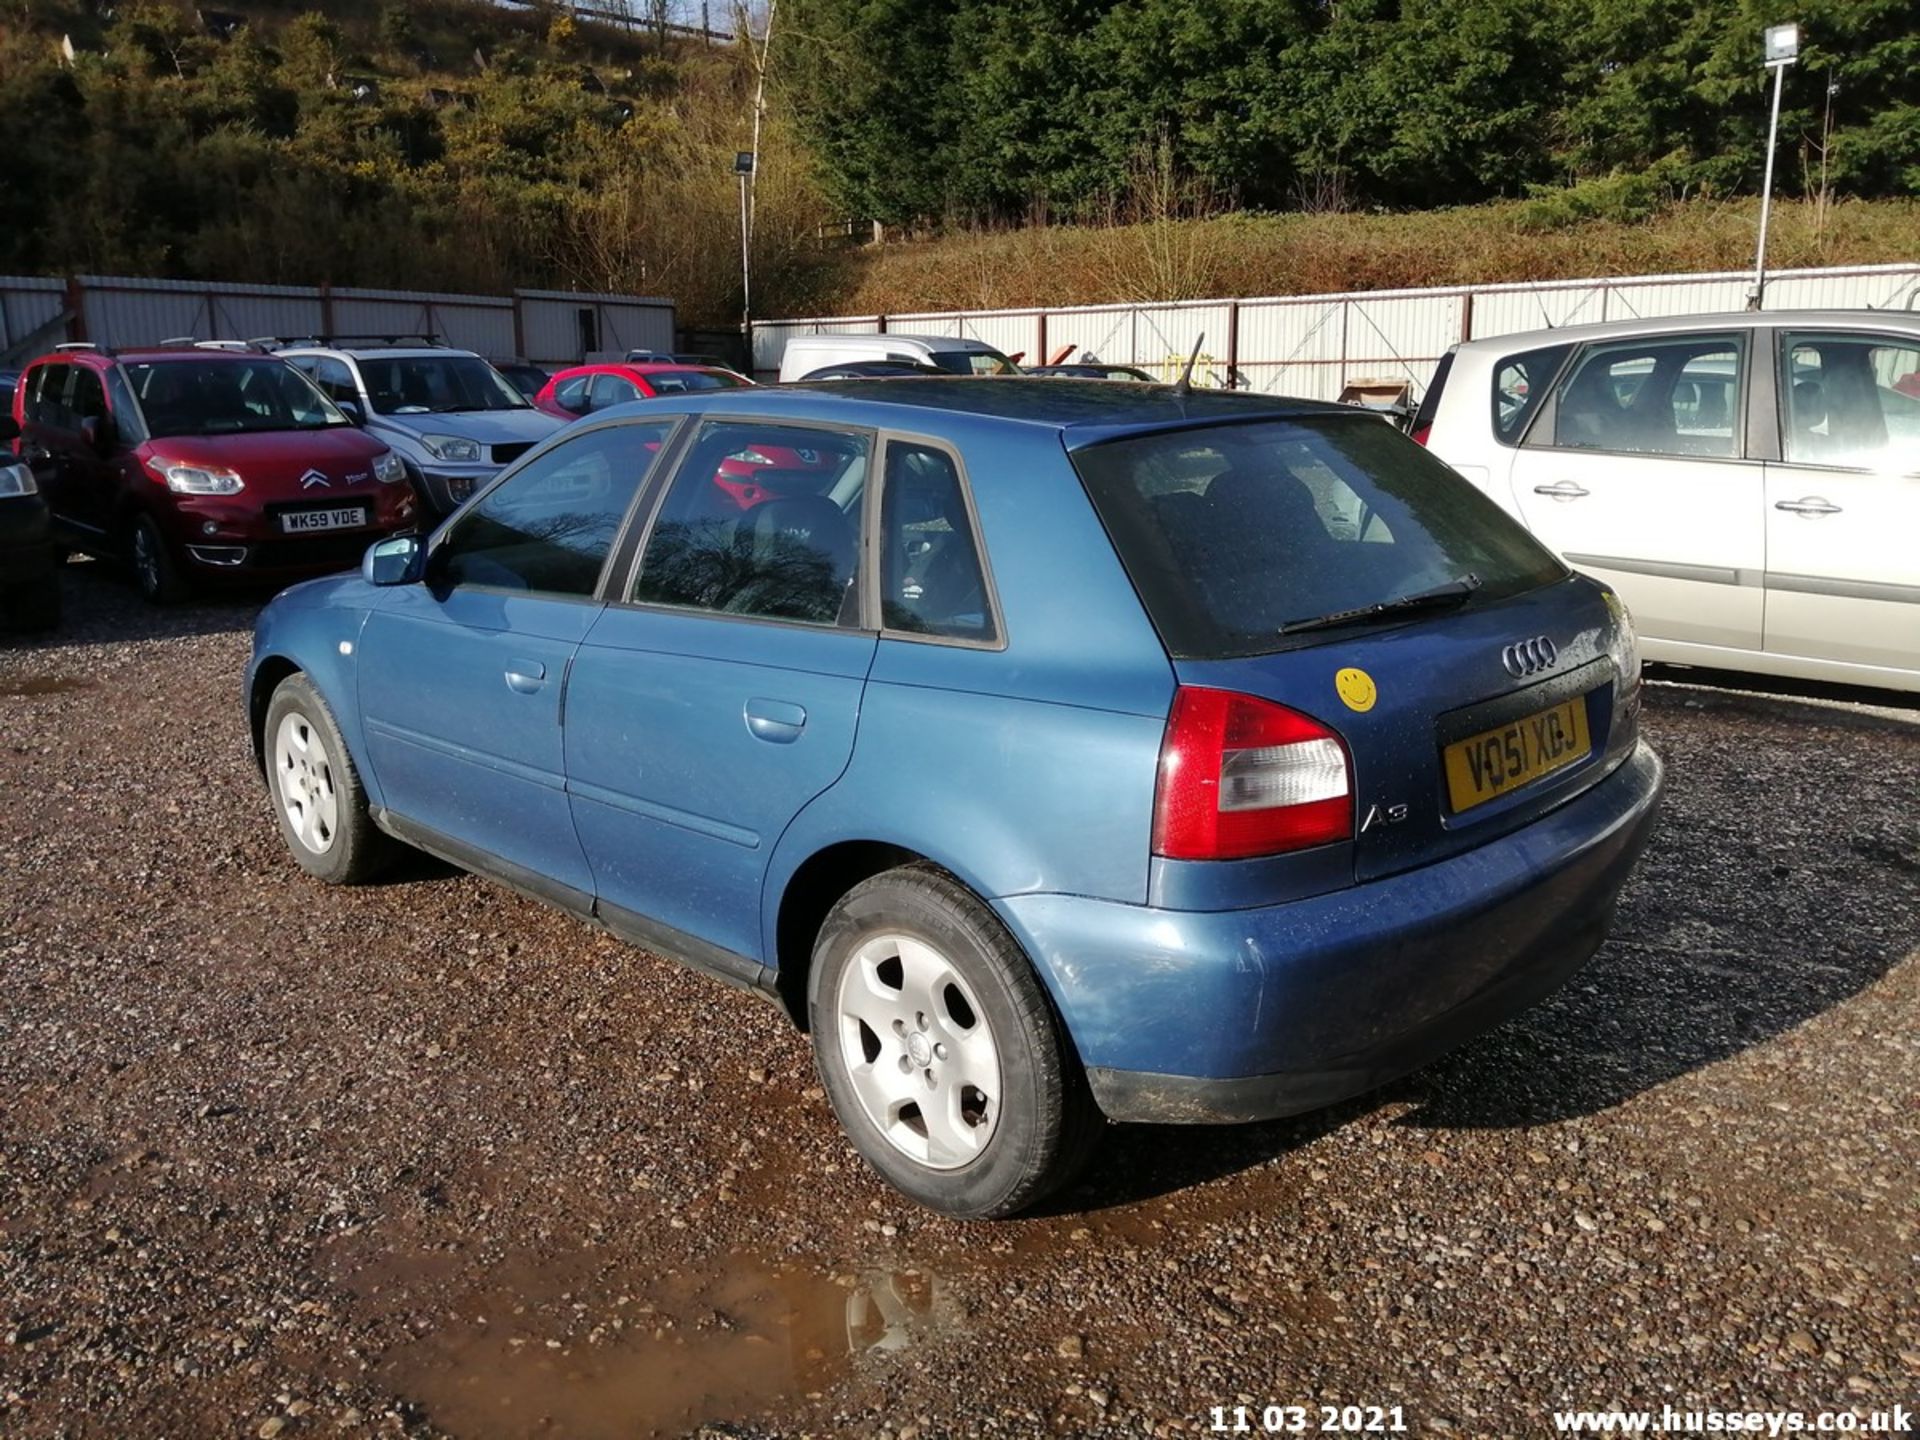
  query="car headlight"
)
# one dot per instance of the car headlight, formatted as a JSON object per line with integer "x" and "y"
{"x": 17, "y": 479}
{"x": 450, "y": 447}
{"x": 197, "y": 479}
{"x": 388, "y": 468}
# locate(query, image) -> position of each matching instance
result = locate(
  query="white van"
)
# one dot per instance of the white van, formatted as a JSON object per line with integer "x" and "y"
{"x": 808, "y": 353}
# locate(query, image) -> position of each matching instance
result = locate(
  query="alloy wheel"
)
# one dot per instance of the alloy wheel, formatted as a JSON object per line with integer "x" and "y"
{"x": 918, "y": 1050}
{"x": 304, "y": 775}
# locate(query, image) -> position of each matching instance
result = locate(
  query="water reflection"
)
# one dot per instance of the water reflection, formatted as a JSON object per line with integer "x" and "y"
{"x": 680, "y": 1352}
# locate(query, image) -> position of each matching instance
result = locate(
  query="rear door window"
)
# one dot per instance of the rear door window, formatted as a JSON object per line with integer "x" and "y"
{"x": 612, "y": 390}
{"x": 1675, "y": 395}
{"x": 1237, "y": 535}
{"x": 762, "y": 520}
{"x": 86, "y": 396}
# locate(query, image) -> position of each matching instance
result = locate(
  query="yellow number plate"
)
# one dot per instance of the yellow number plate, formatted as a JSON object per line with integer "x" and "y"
{"x": 1495, "y": 761}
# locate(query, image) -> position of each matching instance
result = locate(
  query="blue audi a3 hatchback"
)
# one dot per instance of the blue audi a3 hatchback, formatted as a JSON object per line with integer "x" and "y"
{"x": 1050, "y": 750}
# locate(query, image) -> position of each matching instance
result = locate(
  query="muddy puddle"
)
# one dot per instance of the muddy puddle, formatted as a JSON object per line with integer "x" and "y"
{"x": 42, "y": 685}
{"x": 664, "y": 1357}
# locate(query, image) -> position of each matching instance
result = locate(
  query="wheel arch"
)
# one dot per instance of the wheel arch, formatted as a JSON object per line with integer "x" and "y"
{"x": 267, "y": 677}
{"x": 816, "y": 884}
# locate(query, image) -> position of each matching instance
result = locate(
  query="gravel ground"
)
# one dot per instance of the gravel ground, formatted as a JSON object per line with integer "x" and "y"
{"x": 430, "y": 1158}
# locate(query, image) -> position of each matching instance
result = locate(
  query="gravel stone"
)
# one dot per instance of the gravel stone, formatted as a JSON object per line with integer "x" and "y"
{"x": 262, "y": 1138}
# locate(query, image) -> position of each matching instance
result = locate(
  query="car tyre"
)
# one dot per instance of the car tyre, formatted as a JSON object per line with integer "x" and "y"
{"x": 155, "y": 570}
{"x": 941, "y": 1052}
{"x": 317, "y": 795}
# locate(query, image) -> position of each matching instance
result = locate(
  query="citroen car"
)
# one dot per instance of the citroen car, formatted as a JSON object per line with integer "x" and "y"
{"x": 1055, "y": 752}
{"x": 203, "y": 463}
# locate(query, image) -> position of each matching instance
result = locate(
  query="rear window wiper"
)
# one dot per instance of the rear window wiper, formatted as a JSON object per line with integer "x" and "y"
{"x": 1454, "y": 592}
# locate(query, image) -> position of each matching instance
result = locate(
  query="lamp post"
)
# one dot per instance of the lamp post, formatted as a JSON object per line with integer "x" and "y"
{"x": 1783, "y": 48}
{"x": 743, "y": 168}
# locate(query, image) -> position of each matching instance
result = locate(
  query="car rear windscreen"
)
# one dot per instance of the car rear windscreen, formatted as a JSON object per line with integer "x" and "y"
{"x": 1235, "y": 533}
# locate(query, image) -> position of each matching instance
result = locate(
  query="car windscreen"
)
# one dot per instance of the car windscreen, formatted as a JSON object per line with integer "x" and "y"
{"x": 529, "y": 380}
{"x": 1238, "y": 536}
{"x": 228, "y": 397}
{"x": 436, "y": 385}
{"x": 973, "y": 362}
{"x": 672, "y": 382}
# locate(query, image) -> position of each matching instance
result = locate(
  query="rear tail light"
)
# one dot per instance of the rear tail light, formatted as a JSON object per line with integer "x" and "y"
{"x": 1240, "y": 776}
{"x": 1420, "y": 435}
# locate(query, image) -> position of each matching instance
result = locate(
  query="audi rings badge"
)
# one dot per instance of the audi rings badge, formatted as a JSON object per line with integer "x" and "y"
{"x": 1529, "y": 657}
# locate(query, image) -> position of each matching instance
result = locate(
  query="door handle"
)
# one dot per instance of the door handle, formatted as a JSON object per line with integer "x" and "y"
{"x": 1563, "y": 490}
{"x": 779, "y": 722}
{"x": 525, "y": 676}
{"x": 1812, "y": 505}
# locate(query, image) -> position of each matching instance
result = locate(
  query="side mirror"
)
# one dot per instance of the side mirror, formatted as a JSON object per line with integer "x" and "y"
{"x": 351, "y": 409}
{"x": 9, "y": 429}
{"x": 398, "y": 560}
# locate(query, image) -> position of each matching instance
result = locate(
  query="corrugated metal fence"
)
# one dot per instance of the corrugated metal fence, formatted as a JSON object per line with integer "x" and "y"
{"x": 550, "y": 327}
{"x": 1315, "y": 345}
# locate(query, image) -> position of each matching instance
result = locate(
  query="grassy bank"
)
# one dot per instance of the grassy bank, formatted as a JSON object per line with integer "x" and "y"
{"x": 1310, "y": 254}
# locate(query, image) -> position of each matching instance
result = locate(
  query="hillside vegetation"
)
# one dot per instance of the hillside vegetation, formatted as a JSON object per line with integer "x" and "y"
{"x": 1244, "y": 255}
{"x": 1013, "y": 110}
{"x": 492, "y": 148}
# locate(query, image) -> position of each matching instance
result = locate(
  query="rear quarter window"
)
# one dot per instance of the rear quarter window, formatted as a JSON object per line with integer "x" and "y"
{"x": 1520, "y": 383}
{"x": 1232, "y": 532}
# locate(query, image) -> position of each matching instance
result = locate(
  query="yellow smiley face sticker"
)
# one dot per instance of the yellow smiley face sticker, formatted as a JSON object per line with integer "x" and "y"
{"x": 1355, "y": 689}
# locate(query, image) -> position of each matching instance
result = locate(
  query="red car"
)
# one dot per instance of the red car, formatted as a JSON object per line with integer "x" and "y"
{"x": 587, "y": 388}
{"x": 204, "y": 463}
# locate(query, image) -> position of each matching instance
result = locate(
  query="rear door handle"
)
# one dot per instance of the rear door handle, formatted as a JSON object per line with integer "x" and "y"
{"x": 1812, "y": 505}
{"x": 525, "y": 676}
{"x": 779, "y": 722}
{"x": 1563, "y": 490}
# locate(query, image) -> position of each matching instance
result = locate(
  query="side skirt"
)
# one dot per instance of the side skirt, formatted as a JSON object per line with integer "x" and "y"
{"x": 691, "y": 951}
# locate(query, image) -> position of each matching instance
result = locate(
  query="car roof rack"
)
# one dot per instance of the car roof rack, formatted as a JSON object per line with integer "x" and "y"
{"x": 189, "y": 342}
{"x": 84, "y": 345}
{"x": 359, "y": 342}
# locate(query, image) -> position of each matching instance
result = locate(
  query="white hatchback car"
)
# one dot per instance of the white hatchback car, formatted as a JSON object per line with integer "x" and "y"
{"x": 1749, "y": 483}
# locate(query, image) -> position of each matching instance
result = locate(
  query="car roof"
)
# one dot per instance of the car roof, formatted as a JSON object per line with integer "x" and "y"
{"x": 938, "y": 342}
{"x": 154, "y": 354}
{"x": 1085, "y": 412}
{"x": 1681, "y": 324}
{"x": 639, "y": 367}
{"x": 382, "y": 352}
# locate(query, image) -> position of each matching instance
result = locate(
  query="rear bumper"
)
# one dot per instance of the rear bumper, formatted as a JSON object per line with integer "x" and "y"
{"x": 1250, "y": 1014}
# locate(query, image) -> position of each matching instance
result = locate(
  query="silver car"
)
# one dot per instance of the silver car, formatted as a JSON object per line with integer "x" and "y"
{"x": 448, "y": 414}
{"x": 1750, "y": 483}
